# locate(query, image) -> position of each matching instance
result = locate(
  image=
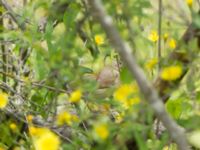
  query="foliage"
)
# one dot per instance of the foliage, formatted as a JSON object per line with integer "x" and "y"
{"x": 64, "y": 85}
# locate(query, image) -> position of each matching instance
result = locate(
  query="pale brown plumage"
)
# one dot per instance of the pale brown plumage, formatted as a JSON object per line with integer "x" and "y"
{"x": 108, "y": 76}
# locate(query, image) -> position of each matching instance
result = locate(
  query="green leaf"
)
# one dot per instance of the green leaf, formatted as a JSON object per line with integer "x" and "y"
{"x": 174, "y": 107}
{"x": 125, "y": 75}
{"x": 70, "y": 15}
{"x": 84, "y": 70}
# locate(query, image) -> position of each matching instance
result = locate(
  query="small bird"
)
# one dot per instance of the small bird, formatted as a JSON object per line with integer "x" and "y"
{"x": 109, "y": 76}
{"x": 107, "y": 79}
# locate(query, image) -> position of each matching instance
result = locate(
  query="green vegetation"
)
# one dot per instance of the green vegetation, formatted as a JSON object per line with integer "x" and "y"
{"x": 64, "y": 87}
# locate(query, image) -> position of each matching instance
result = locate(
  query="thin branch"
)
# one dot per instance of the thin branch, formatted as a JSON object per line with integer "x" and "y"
{"x": 159, "y": 31}
{"x": 14, "y": 16}
{"x": 159, "y": 50}
{"x": 176, "y": 132}
{"x": 198, "y": 1}
{"x": 7, "y": 41}
{"x": 49, "y": 87}
{"x": 36, "y": 122}
{"x": 3, "y": 50}
{"x": 36, "y": 84}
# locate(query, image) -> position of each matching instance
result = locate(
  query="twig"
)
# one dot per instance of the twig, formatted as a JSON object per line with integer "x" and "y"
{"x": 8, "y": 41}
{"x": 36, "y": 84}
{"x": 20, "y": 24}
{"x": 36, "y": 122}
{"x": 159, "y": 31}
{"x": 198, "y": 1}
{"x": 49, "y": 87}
{"x": 62, "y": 136}
{"x": 3, "y": 50}
{"x": 159, "y": 50}
{"x": 176, "y": 132}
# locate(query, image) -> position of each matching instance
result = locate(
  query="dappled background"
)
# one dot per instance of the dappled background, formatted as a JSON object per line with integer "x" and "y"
{"x": 63, "y": 86}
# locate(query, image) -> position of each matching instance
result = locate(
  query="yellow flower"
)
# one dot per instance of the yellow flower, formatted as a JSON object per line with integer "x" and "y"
{"x": 101, "y": 131}
{"x": 99, "y": 39}
{"x": 124, "y": 91}
{"x": 46, "y": 141}
{"x": 75, "y": 96}
{"x": 153, "y": 36}
{"x": 124, "y": 94}
{"x": 64, "y": 117}
{"x": 3, "y": 100}
{"x": 171, "y": 73}
{"x": 13, "y": 126}
{"x": 172, "y": 43}
{"x": 75, "y": 118}
{"x": 1, "y": 148}
{"x": 130, "y": 102}
{"x": 151, "y": 63}
{"x": 33, "y": 130}
{"x": 189, "y": 2}
{"x": 36, "y": 131}
{"x": 165, "y": 36}
{"x": 29, "y": 118}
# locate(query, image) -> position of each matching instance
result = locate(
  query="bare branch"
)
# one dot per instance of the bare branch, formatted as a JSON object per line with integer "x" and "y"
{"x": 36, "y": 84}
{"x": 124, "y": 50}
{"x": 3, "y": 50}
{"x": 198, "y": 1}
{"x": 38, "y": 122}
{"x": 159, "y": 31}
{"x": 15, "y": 18}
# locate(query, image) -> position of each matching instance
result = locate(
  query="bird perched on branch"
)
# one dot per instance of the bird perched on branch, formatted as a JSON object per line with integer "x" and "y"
{"x": 109, "y": 75}
{"x": 107, "y": 79}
